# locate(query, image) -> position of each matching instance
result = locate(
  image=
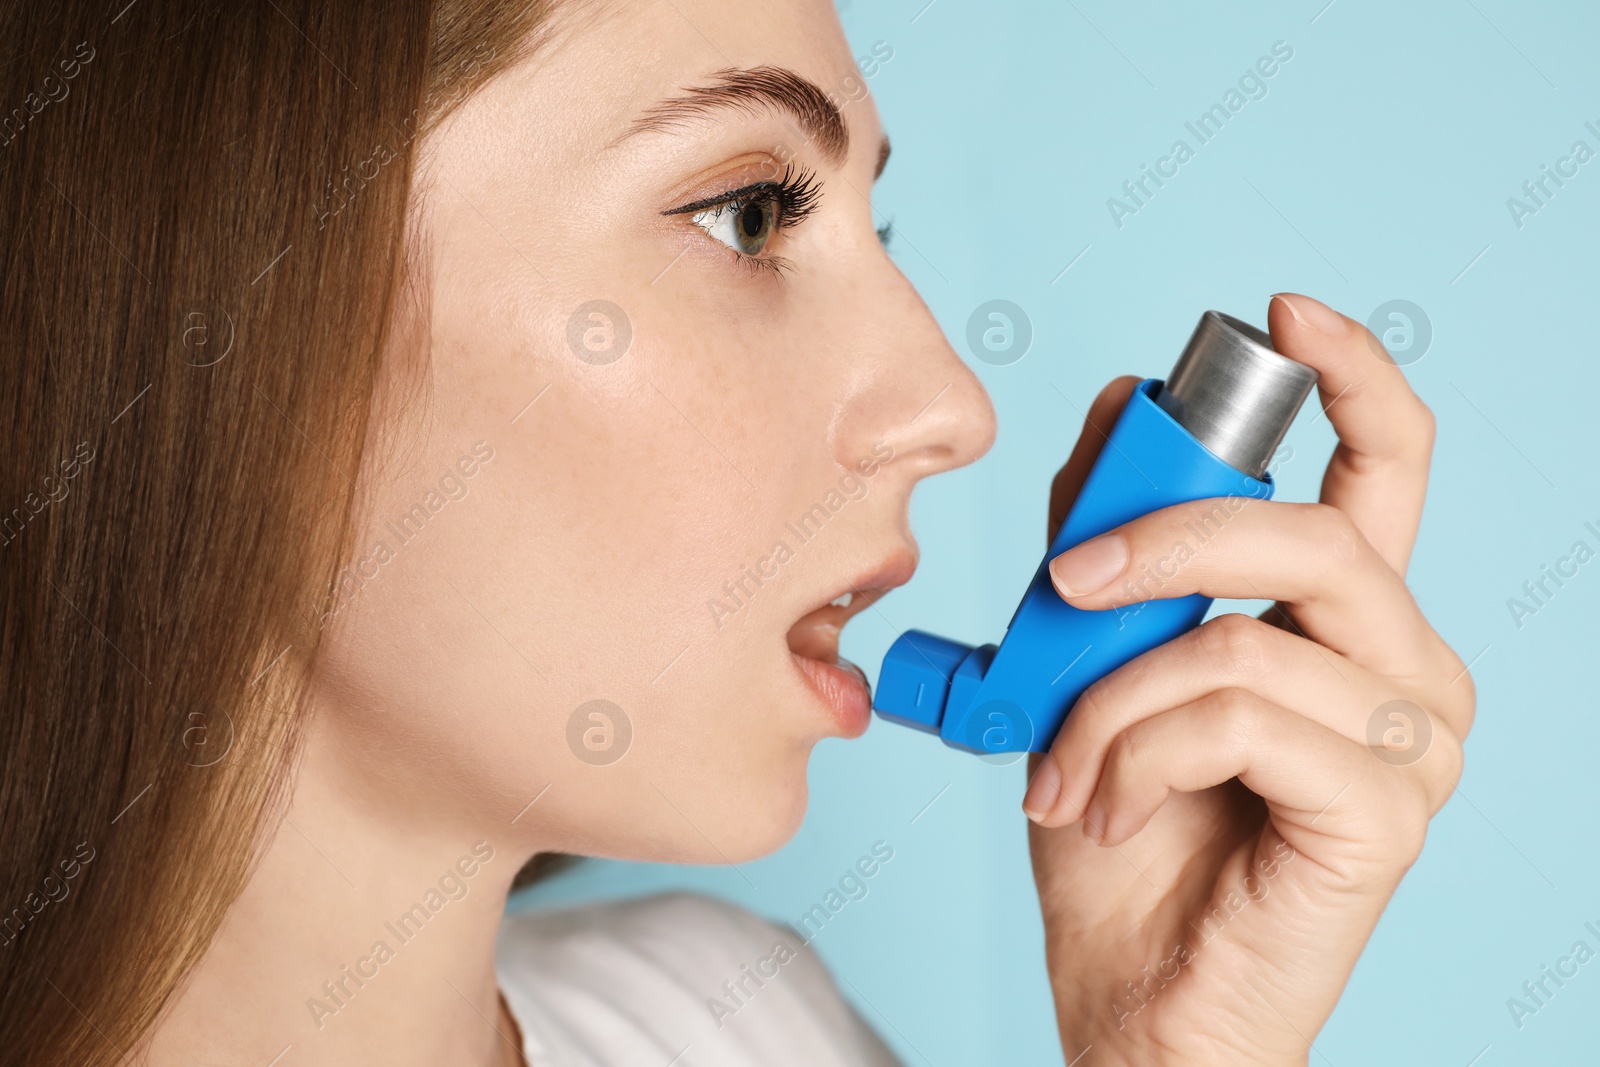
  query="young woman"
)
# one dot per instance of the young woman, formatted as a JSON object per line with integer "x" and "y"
{"x": 392, "y": 390}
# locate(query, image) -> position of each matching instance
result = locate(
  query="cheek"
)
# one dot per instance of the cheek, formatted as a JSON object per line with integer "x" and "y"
{"x": 643, "y": 459}
{"x": 555, "y": 626}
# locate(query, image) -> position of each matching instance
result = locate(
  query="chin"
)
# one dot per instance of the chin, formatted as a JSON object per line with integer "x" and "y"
{"x": 736, "y": 818}
{"x": 761, "y": 820}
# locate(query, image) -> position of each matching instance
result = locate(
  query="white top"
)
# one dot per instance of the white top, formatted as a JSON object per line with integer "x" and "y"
{"x": 674, "y": 979}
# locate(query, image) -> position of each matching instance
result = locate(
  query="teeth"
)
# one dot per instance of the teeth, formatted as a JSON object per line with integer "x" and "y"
{"x": 843, "y": 601}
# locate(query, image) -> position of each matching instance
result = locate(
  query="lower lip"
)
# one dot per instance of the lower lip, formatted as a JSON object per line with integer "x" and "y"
{"x": 842, "y": 690}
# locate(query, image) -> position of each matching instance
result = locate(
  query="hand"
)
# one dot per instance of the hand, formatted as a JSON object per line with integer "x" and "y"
{"x": 1221, "y": 822}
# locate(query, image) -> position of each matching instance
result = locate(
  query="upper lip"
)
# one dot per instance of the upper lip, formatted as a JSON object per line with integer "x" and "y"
{"x": 816, "y": 633}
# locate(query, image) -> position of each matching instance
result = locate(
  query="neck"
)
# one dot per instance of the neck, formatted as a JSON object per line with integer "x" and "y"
{"x": 365, "y": 935}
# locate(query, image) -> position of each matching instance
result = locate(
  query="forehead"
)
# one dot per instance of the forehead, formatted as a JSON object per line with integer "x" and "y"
{"x": 678, "y": 38}
{"x": 604, "y": 65}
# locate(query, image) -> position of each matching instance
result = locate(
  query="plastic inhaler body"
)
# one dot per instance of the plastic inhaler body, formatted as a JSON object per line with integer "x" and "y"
{"x": 1014, "y": 697}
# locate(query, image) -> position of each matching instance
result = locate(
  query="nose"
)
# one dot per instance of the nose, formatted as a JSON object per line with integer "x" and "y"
{"x": 912, "y": 393}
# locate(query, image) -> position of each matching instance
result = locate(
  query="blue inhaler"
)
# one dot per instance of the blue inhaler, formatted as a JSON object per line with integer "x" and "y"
{"x": 1208, "y": 431}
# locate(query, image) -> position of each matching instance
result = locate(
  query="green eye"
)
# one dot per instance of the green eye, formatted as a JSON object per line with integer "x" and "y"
{"x": 746, "y": 220}
{"x": 746, "y": 226}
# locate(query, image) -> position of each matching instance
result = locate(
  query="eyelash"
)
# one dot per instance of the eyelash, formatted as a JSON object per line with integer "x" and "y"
{"x": 796, "y": 194}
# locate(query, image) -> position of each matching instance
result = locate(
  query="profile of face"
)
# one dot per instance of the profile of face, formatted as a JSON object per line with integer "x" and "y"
{"x": 653, "y": 447}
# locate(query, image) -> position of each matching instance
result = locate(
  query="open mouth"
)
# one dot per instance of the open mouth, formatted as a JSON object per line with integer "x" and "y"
{"x": 814, "y": 641}
{"x": 816, "y": 634}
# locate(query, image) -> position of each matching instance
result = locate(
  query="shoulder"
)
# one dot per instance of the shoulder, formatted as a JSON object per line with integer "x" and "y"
{"x": 635, "y": 978}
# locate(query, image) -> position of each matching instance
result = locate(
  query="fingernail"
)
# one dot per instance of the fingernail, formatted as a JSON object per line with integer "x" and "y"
{"x": 1043, "y": 791}
{"x": 1090, "y": 566}
{"x": 1313, "y": 314}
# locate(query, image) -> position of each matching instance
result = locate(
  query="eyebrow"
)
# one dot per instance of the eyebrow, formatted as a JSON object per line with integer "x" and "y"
{"x": 752, "y": 91}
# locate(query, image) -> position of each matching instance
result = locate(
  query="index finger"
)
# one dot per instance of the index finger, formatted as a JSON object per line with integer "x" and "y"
{"x": 1379, "y": 472}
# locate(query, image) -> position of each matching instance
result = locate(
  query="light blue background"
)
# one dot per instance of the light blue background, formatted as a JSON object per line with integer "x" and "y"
{"x": 1377, "y": 167}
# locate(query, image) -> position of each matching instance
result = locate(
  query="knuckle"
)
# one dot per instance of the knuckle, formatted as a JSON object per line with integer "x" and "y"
{"x": 1413, "y": 830}
{"x": 1126, "y": 750}
{"x": 1463, "y": 695}
{"x": 1468, "y": 714}
{"x": 1426, "y": 427}
{"x": 1339, "y": 539}
{"x": 1240, "y": 714}
{"x": 1443, "y": 766}
{"x": 1235, "y": 644}
{"x": 1408, "y": 836}
{"x": 1395, "y": 819}
{"x": 1098, "y": 717}
{"x": 1416, "y": 797}
{"x": 1092, "y": 709}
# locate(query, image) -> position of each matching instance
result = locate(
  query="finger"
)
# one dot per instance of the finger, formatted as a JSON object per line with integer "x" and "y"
{"x": 1229, "y": 651}
{"x": 1097, "y": 425}
{"x": 1379, "y": 471}
{"x": 1312, "y": 556}
{"x": 1319, "y": 784}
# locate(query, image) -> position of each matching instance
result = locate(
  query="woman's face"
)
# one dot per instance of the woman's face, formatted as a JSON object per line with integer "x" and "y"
{"x": 650, "y": 433}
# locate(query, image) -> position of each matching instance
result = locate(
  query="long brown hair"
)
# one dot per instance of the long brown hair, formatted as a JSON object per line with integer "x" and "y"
{"x": 202, "y": 214}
